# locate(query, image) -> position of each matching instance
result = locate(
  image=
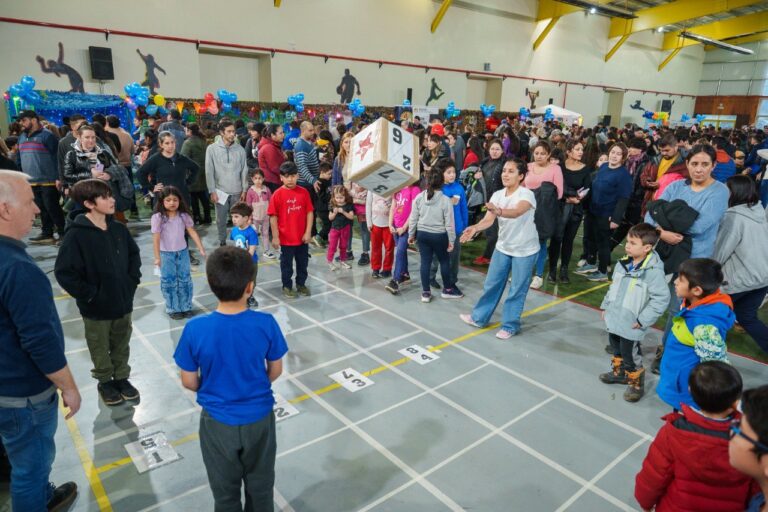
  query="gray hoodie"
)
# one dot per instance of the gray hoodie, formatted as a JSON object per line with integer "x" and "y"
{"x": 742, "y": 248}
{"x": 432, "y": 215}
{"x": 226, "y": 168}
{"x": 640, "y": 295}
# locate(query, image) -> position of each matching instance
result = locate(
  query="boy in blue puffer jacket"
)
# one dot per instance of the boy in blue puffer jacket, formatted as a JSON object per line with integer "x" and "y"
{"x": 698, "y": 330}
{"x": 454, "y": 191}
{"x": 638, "y": 296}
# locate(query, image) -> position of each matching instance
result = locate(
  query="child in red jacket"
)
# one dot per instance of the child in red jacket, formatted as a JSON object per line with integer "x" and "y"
{"x": 687, "y": 468}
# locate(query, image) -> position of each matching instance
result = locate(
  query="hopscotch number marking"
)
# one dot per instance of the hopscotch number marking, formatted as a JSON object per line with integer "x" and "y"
{"x": 151, "y": 451}
{"x": 283, "y": 409}
{"x": 351, "y": 380}
{"x": 418, "y": 354}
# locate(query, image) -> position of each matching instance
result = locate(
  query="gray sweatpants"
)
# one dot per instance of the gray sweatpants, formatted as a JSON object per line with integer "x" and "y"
{"x": 222, "y": 215}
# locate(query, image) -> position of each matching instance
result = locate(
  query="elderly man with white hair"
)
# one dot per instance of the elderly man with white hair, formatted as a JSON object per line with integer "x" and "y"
{"x": 33, "y": 365}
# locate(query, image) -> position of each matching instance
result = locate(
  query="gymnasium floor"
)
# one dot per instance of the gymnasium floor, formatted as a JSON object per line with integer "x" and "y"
{"x": 485, "y": 425}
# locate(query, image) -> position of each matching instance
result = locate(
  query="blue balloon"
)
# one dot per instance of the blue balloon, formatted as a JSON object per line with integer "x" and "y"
{"x": 27, "y": 82}
{"x": 16, "y": 90}
{"x": 225, "y": 106}
{"x": 162, "y": 110}
{"x": 142, "y": 100}
{"x": 33, "y": 97}
{"x": 232, "y": 97}
{"x": 151, "y": 110}
{"x": 406, "y": 102}
{"x": 221, "y": 93}
{"x": 300, "y": 97}
{"x": 299, "y": 108}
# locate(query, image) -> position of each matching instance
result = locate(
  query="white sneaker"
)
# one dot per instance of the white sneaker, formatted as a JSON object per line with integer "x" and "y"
{"x": 333, "y": 266}
{"x": 345, "y": 265}
{"x": 536, "y": 282}
{"x": 581, "y": 263}
{"x": 269, "y": 255}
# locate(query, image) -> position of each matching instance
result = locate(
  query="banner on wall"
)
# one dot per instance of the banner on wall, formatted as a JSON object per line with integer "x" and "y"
{"x": 426, "y": 113}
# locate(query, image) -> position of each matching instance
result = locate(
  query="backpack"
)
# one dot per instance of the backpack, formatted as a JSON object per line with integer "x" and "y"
{"x": 474, "y": 188}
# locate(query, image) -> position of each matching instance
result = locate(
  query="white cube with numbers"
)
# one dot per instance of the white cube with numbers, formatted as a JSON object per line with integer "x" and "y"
{"x": 384, "y": 158}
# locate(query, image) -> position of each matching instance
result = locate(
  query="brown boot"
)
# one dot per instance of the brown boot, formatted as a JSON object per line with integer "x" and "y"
{"x": 636, "y": 388}
{"x": 616, "y": 375}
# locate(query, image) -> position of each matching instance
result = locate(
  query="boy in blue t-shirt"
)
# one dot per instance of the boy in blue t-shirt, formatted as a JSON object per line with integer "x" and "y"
{"x": 230, "y": 357}
{"x": 245, "y": 237}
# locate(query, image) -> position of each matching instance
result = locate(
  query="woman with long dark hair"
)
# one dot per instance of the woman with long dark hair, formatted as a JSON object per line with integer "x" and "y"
{"x": 490, "y": 171}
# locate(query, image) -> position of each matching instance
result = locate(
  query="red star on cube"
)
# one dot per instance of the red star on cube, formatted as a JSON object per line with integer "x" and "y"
{"x": 365, "y": 145}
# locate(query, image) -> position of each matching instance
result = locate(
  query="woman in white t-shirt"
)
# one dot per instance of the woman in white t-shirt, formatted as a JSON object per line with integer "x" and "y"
{"x": 515, "y": 252}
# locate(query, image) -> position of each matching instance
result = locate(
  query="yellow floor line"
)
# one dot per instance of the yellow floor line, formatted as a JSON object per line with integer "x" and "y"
{"x": 382, "y": 368}
{"x": 102, "y": 500}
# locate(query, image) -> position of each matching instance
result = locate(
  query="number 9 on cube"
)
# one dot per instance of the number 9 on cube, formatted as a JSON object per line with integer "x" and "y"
{"x": 384, "y": 158}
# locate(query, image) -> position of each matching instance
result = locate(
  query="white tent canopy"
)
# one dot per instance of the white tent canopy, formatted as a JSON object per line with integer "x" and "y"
{"x": 558, "y": 112}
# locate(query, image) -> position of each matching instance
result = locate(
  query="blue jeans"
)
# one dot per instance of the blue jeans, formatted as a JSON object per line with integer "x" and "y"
{"x": 401, "y": 256}
{"x": 434, "y": 245}
{"x": 764, "y": 193}
{"x": 27, "y": 435}
{"x": 495, "y": 282}
{"x": 541, "y": 258}
{"x": 176, "y": 281}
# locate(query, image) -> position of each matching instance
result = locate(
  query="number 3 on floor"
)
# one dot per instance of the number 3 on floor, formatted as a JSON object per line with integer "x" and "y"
{"x": 351, "y": 380}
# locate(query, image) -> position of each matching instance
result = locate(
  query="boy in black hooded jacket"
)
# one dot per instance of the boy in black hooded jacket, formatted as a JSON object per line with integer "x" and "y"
{"x": 99, "y": 265}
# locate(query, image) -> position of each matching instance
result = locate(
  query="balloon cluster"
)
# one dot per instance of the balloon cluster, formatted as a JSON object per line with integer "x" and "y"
{"x": 209, "y": 106}
{"x": 685, "y": 117}
{"x": 524, "y": 113}
{"x": 451, "y": 110}
{"x": 227, "y": 99}
{"x": 158, "y": 106}
{"x": 406, "y": 102}
{"x": 699, "y": 118}
{"x": 656, "y": 116}
{"x": 135, "y": 95}
{"x": 356, "y": 108}
{"x": 487, "y": 110}
{"x": 25, "y": 89}
{"x": 297, "y": 102}
{"x": 548, "y": 115}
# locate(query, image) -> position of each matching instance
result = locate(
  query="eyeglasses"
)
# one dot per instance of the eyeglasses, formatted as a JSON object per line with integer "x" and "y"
{"x": 736, "y": 431}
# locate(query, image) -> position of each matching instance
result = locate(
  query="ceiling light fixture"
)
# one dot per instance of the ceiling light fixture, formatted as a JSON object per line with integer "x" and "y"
{"x": 593, "y": 7}
{"x": 716, "y": 43}
{"x": 660, "y": 29}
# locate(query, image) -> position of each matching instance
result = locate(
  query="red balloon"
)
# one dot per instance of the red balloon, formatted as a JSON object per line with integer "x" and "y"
{"x": 208, "y": 97}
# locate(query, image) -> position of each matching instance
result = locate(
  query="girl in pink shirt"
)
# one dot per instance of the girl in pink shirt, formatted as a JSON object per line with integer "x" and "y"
{"x": 398, "y": 225}
{"x": 257, "y": 197}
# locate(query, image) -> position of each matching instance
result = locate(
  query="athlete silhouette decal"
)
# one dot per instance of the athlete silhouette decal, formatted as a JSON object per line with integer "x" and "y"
{"x": 346, "y": 89}
{"x": 151, "y": 78}
{"x": 58, "y": 68}
{"x": 433, "y": 92}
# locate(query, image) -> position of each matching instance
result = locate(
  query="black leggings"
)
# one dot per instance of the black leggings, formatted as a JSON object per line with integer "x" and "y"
{"x": 491, "y": 236}
{"x": 563, "y": 247}
{"x": 601, "y": 232}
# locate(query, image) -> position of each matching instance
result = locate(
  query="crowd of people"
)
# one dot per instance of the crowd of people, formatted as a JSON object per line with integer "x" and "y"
{"x": 688, "y": 204}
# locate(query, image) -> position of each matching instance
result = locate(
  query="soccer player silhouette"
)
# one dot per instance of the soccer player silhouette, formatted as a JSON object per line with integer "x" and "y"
{"x": 58, "y": 68}
{"x": 433, "y": 92}
{"x": 151, "y": 78}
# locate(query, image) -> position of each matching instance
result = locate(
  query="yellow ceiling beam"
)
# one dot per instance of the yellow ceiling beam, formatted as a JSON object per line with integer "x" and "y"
{"x": 669, "y": 57}
{"x": 673, "y": 12}
{"x": 552, "y": 9}
{"x": 440, "y": 13}
{"x": 742, "y": 40}
{"x": 545, "y": 32}
{"x": 616, "y": 47}
{"x": 732, "y": 27}
{"x": 277, "y": 3}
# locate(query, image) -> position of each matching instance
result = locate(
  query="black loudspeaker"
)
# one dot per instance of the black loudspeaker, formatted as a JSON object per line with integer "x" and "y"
{"x": 606, "y": 120}
{"x": 666, "y": 106}
{"x": 409, "y": 95}
{"x": 551, "y": 101}
{"x": 101, "y": 63}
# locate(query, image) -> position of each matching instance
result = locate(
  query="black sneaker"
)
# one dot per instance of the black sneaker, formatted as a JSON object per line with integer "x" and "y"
{"x": 42, "y": 239}
{"x": 364, "y": 260}
{"x": 177, "y": 316}
{"x": 392, "y": 287}
{"x": 375, "y": 274}
{"x": 451, "y": 293}
{"x": 385, "y": 274}
{"x": 62, "y": 498}
{"x": 126, "y": 389}
{"x": 189, "y": 314}
{"x": 193, "y": 261}
{"x": 564, "y": 279}
{"x": 109, "y": 393}
{"x": 350, "y": 256}
{"x": 222, "y": 244}
{"x": 405, "y": 278}
{"x": 552, "y": 277}
{"x": 252, "y": 302}
{"x": 434, "y": 284}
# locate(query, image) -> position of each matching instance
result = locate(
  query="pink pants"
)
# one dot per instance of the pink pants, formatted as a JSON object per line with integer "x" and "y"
{"x": 338, "y": 238}
{"x": 262, "y": 229}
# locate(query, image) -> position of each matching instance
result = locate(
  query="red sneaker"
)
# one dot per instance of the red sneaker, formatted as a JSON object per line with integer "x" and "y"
{"x": 481, "y": 260}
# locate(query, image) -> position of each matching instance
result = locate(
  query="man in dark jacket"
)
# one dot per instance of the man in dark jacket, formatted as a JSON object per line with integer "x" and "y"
{"x": 99, "y": 265}
{"x": 36, "y": 156}
{"x": 33, "y": 364}
{"x": 65, "y": 145}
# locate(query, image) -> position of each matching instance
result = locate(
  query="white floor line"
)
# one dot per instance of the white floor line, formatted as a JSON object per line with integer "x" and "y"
{"x": 601, "y": 474}
{"x": 282, "y": 502}
{"x": 528, "y": 449}
{"x": 377, "y": 413}
{"x": 146, "y": 424}
{"x": 348, "y": 356}
{"x": 458, "y": 454}
{"x": 428, "y": 486}
{"x": 536, "y": 383}
{"x": 171, "y": 500}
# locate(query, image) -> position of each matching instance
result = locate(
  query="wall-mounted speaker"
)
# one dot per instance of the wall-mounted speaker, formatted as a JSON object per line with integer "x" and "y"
{"x": 666, "y": 106}
{"x": 409, "y": 95}
{"x": 101, "y": 63}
